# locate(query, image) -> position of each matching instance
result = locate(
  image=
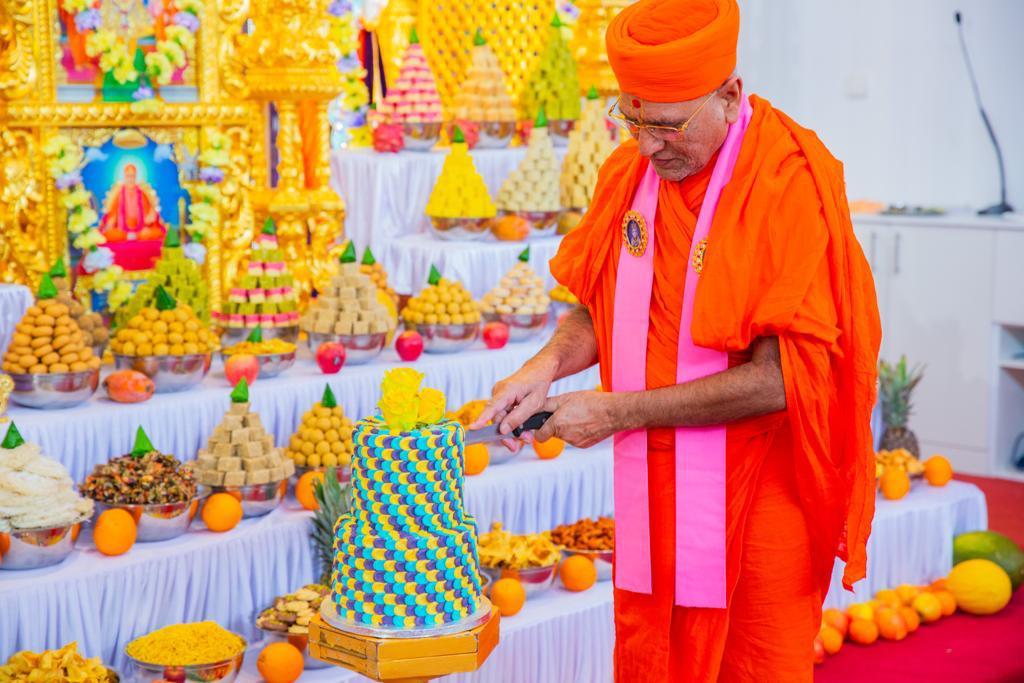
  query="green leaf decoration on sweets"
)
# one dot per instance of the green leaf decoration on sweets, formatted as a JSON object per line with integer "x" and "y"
{"x": 164, "y": 300}
{"x": 142, "y": 444}
{"x": 524, "y": 255}
{"x": 349, "y": 255}
{"x": 47, "y": 290}
{"x": 556, "y": 22}
{"x": 457, "y": 136}
{"x": 256, "y": 336}
{"x": 478, "y": 38}
{"x": 58, "y": 269}
{"x": 414, "y": 38}
{"x": 268, "y": 227}
{"x": 368, "y": 259}
{"x": 173, "y": 239}
{"x": 435, "y": 275}
{"x": 328, "y": 400}
{"x": 592, "y": 94}
{"x": 240, "y": 394}
{"x": 12, "y": 439}
{"x": 542, "y": 119}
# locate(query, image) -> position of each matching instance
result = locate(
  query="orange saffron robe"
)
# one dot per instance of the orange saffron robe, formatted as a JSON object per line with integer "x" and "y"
{"x": 781, "y": 261}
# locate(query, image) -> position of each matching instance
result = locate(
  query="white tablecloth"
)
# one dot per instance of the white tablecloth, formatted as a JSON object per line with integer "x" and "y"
{"x": 104, "y": 602}
{"x": 478, "y": 265}
{"x": 386, "y": 194}
{"x": 99, "y": 429}
{"x": 912, "y": 539}
{"x": 14, "y": 301}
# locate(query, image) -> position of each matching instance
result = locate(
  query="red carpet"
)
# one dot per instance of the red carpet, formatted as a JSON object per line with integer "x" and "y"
{"x": 961, "y": 648}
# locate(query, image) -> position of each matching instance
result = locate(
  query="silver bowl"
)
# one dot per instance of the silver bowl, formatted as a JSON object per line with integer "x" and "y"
{"x": 534, "y": 579}
{"x": 521, "y": 326}
{"x": 300, "y": 642}
{"x": 342, "y": 472}
{"x": 447, "y": 338}
{"x": 359, "y": 348}
{"x": 602, "y": 561}
{"x": 169, "y": 373}
{"x": 155, "y": 521}
{"x": 39, "y": 547}
{"x": 542, "y": 223}
{"x": 559, "y": 130}
{"x": 459, "y": 228}
{"x": 499, "y": 455}
{"x": 54, "y": 390}
{"x": 495, "y": 134}
{"x": 234, "y": 335}
{"x": 224, "y": 671}
{"x": 422, "y": 136}
{"x": 271, "y": 364}
{"x": 257, "y": 499}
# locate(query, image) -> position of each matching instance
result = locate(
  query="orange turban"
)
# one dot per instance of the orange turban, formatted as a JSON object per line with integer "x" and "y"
{"x": 673, "y": 50}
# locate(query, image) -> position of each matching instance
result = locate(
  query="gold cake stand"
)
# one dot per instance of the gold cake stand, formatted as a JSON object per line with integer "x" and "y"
{"x": 404, "y": 659}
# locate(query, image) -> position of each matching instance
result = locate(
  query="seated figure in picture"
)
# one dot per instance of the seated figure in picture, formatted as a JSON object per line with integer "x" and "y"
{"x": 131, "y": 211}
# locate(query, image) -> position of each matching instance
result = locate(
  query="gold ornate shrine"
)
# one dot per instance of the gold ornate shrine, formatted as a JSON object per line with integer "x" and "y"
{"x": 98, "y": 81}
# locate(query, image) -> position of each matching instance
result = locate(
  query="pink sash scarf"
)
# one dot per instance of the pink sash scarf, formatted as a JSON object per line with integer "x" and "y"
{"x": 699, "y": 451}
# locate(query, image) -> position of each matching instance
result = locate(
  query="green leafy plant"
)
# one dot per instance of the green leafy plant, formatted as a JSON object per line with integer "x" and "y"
{"x": 334, "y": 500}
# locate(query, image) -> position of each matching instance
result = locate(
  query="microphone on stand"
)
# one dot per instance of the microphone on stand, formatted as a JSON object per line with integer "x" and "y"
{"x": 1002, "y": 207}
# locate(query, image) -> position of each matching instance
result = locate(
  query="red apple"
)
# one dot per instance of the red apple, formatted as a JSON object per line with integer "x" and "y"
{"x": 819, "y": 650}
{"x": 330, "y": 356}
{"x": 241, "y": 365}
{"x": 409, "y": 345}
{"x": 495, "y": 335}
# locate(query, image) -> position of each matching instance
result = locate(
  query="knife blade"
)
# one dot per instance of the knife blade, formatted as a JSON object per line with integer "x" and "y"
{"x": 490, "y": 433}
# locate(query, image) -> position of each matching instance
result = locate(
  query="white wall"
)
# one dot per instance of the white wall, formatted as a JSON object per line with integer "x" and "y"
{"x": 912, "y": 134}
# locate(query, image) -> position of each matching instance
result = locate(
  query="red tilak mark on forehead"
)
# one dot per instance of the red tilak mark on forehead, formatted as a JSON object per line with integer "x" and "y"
{"x": 636, "y": 102}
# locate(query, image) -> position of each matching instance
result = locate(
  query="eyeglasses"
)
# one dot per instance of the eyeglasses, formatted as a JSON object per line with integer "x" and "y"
{"x": 669, "y": 133}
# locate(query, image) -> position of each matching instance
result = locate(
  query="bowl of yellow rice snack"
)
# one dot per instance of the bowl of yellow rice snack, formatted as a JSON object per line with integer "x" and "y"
{"x": 200, "y": 651}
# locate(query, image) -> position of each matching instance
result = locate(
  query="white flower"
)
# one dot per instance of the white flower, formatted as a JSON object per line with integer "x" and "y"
{"x": 196, "y": 252}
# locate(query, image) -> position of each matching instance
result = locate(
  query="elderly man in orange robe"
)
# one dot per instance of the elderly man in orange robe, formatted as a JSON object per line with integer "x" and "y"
{"x": 734, "y": 319}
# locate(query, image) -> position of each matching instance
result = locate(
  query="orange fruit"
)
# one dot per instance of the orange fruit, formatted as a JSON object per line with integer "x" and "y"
{"x": 890, "y": 624}
{"x": 836, "y": 619}
{"x": 928, "y": 606}
{"x": 907, "y": 593}
{"x": 937, "y": 585}
{"x": 552, "y": 448}
{"x": 948, "y": 602}
{"x": 222, "y": 512}
{"x": 889, "y": 598}
{"x": 937, "y": 470}
{"x": 114, "y": 532}
{"x": 280, "y": 663}
{"x": 831, "y": 639}
{"x": 477, "y": 457}
{"x": 863, "y": 632}
{"x": 508, "y": 595}
{"x": 304, "y": 489}
{"x": 895, "y": 483}
{"x": 578, "y": 573}
{"x": 910, "y": 618}
{"x": 861, "y": 611}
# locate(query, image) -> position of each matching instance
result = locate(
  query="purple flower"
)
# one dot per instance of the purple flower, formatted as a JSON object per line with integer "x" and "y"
{"x": 570, "y": 10}
{"x": 187, "y": 20}
{"x": 69, "y": 180}
{"x": 100, "y": 258}
{"x": 357, "y": 119}
{"x": 211, "y": 175}
{"x": 339, "y": 8}
{"x": 88, "y": 20}
{"x": 349, "y": 63}
{"x": 143, "y": 92}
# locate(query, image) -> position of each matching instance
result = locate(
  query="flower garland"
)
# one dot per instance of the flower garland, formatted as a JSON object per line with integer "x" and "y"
{"x": 64, "y": 162}
{"x": 347, "y": 112}
{"x": 204, "y": 211}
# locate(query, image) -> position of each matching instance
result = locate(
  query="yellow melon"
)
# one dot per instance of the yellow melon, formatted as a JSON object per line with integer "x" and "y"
{"x": 979, "y": 586}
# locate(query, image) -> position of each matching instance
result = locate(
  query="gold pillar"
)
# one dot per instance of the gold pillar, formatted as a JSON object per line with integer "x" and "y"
{"x": 588, "y": 45}
{"x": 393, "y": 27}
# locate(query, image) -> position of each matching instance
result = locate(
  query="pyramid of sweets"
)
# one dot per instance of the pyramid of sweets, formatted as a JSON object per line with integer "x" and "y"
{"x": 520, "y": 291}
{"x": 413, "y": 97}
{"x": 407, "y": 509}
{"x": 533, "y": 184}
{"x": 349, "y": 305}
{"x": 240, "y": 452}
{"x": 370, "y": 267}
{"x": 167, "y": 328}
{"x": 264, "y": 295}
{"x": 460, "y": 191}
{"x": 176, "y": 273}
{"x": 94, "y": 332}
{"x": 553, "y": 85}
{"x": 441, "y": 302}
{"x": 324, "y": 437}
{"x": 483, "y": 96}
{"x": 589, "y": 146}
{"x": 47, "y": 339}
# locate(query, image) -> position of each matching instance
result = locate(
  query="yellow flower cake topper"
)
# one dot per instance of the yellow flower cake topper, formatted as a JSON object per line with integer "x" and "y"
{"x": 404, "y": 405}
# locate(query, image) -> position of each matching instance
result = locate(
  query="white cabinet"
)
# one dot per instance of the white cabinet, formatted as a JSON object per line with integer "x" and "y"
{"x": 1009, "y": 279}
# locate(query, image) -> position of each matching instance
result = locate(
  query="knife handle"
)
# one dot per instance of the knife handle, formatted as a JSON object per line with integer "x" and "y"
{"x": 532, "y": 424}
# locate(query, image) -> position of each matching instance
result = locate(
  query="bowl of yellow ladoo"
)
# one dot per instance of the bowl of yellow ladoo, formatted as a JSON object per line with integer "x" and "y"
{"x": 200, "y": 651}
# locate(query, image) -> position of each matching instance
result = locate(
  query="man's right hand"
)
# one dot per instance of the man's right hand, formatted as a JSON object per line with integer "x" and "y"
{"x": 516, "y": 398}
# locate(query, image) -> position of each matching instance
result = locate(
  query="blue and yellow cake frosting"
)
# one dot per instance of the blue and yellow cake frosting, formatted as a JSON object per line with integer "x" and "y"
{"x": 406, "y": 555}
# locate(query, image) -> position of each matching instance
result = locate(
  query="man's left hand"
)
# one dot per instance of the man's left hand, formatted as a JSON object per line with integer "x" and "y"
{"x": 582, "y": 418}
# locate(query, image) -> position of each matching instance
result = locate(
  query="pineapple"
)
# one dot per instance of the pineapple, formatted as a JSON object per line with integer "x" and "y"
{"x": 896, "y": 384}
{"x": 334, "y": 500}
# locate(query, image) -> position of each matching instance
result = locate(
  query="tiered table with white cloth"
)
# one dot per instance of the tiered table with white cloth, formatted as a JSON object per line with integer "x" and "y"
{"x": 478, "y": 265}
{"x": 99, "y": 429}
{"x": 14, "y": 301}
{"x": 386, "y": 194}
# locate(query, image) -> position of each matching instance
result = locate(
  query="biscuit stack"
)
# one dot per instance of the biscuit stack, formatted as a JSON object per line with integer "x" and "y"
{"x": 240, "y": 452}
{"x": 589, "y": 146}
{"x": 520, "y": 292}
{"x": 90, "y": 322}
{"x": 483, "y": 95}
{"x": 533, "y": 185}
{"x": 348, "y": 305}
